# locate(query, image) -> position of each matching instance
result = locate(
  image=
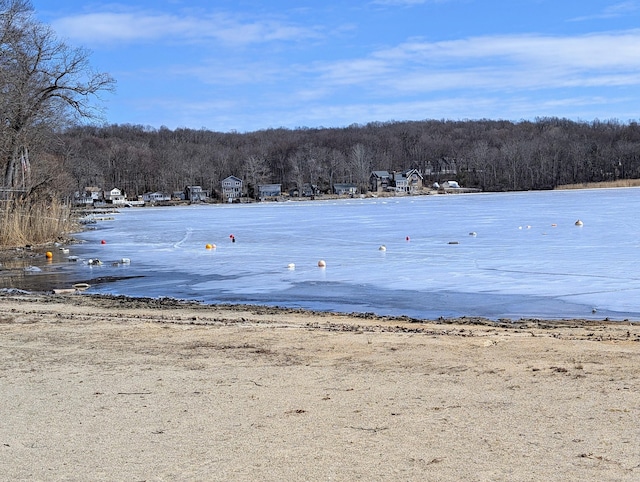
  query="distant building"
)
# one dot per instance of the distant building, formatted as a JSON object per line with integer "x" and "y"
{"x": 400, "y": 182}
{"x": 411, "y": 181}
{"x": 379, "y": 181}
{"x": 342, "y": 189}
{"x": 153, "y": 197}
{"x": 195, "y": 194}
{"x": 231, "y": 188}
{"x": 269, "y": 190}
{"x": 309, "y": 190}
{"x": 90, "y": 195}
{"x": 115, "y": 196}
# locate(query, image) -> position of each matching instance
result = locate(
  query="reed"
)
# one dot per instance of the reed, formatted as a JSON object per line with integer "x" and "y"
{"x": 603, "y": 184}
{"x": 24, "y": 221}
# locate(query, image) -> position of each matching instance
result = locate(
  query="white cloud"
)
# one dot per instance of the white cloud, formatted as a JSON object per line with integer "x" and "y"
{"x": 495, "y": 62}
{"x": 131, "y": 26}
{"x": 613, "y": 11}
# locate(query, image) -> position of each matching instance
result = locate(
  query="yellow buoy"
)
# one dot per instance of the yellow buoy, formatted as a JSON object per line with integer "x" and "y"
{"x": 49, "y": 254}
{"x": 209, "y": 246}
{"x": 322, "y": 264}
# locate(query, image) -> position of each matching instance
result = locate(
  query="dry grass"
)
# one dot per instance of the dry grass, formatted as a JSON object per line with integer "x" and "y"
{"x": 604, "y": 184}
{"x": 25, "y": 222}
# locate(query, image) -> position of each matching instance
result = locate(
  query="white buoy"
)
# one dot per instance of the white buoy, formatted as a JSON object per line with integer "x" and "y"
{"x": 322, "y": 264}
{"x": 579, "y": 223}
{"x": 125, "y": 261}
{"x": 473, "y": 233}
{"x": 382, "y": 248}
{"x": 291, "y": 266}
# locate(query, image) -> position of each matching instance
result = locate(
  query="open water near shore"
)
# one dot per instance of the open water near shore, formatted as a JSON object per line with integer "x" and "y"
{"x": 503, "y": 255}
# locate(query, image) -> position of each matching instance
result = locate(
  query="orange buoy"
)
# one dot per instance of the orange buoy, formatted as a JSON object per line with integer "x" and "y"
{"x": 49, "y": 255}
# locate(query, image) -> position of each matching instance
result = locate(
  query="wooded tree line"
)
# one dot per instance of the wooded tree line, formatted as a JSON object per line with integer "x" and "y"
{"x": 491, "y": 155}
{"x": 46, "y": 89}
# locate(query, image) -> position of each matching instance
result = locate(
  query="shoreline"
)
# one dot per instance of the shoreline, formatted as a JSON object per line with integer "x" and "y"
{"x": 113, "y": 388}
{"x": 81, "y": 299}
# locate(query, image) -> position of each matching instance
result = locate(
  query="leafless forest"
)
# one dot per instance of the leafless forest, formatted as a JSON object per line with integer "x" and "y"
{"x": 491, "y": 155}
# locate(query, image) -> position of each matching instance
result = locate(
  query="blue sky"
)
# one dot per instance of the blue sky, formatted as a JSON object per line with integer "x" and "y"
{"x": 247, "y": 65}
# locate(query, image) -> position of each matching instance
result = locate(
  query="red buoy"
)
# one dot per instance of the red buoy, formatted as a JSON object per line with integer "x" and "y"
{"x": 103, "y": 242}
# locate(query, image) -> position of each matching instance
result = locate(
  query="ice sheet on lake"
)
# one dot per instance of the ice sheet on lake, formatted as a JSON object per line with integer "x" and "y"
{"x": 526, "y": 256}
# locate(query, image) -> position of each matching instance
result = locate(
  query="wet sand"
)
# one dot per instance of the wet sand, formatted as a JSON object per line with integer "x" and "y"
{"x": 111, "y": 388}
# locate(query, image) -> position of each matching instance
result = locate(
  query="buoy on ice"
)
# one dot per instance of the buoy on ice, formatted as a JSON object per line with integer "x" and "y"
{"x": 322, "y": 264}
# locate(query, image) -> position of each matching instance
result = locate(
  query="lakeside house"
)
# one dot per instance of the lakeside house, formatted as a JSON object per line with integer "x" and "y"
{"x": 115, "y": 196}
{"x": 88, "y": 197}
{"x": 269, "y": 190}
{"x": 308, "y": 190}
{"x": 379, "y": 181}
{"x": 195, "y": 194}
{"x": 400, "y": 182}
{"x": 231, "y": 188}
{"x": 346, "y": 188}
{"x": 414, "y": 181}
{"x": 154, "y": 197}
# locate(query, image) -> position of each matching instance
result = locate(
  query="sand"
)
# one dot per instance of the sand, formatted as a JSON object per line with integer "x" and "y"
{"x": 110, "y": 388}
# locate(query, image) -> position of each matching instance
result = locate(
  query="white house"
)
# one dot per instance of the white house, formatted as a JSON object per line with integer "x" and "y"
{"x": 114, "y": 196}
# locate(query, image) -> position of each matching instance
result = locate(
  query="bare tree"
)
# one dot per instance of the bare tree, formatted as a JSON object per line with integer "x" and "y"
{"x": 256, "y": 171}
{"x": 360, "y": 164}
{"x": 43, "y": 81}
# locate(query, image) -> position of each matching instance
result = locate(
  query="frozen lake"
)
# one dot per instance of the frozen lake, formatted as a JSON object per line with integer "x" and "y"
{"x": 503, "y": 255}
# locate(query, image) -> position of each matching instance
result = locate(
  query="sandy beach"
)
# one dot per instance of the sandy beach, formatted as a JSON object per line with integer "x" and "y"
{"x": 111, "y": 388}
